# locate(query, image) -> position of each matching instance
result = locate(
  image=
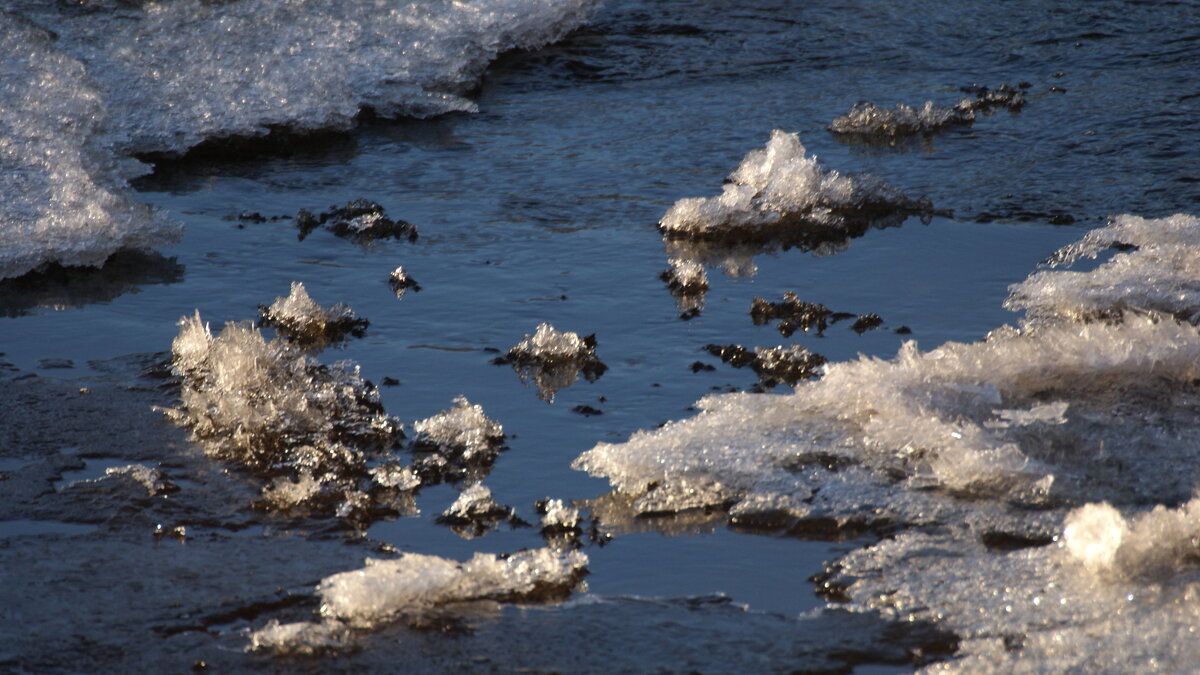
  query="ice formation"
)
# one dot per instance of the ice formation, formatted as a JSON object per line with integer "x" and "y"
{"x": 867, "y": 119}
{"x": 301, "y": 320}
{"x": 1158, "y": 270}
{"x": 475, "y": 512}
{"x": 554, "y": 359}
{"x": 975, "y": 458}
{"x": 155, "y": 481}
{"x": 63, "y": 196}
{"x": 415, "y": 586}
{"x": 85, "y": 88}
{"x": 269, "y": 408}
{"x": 778, "y": 192}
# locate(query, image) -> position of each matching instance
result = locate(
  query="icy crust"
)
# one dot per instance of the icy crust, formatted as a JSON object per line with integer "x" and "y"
{"x": 118, "y": 79}
{"x": 267, "y": 407}
{"x": 778, "y": 192}
{"x": 63, "y": 196}
{"x": 1035, "y": 610}
{"x": 990, "y": 418}
{"x": 868, "y": 119}
{"x": 180, "y": 72}
{"x": 301, "y": 320}
{"x": 1160, "y": 271}
{"x": 415, "y": 587}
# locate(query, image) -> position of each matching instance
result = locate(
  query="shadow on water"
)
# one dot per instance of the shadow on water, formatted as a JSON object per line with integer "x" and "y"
{"x": 58, "y": 287}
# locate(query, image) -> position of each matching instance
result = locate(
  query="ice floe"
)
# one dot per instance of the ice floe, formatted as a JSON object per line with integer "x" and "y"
{"x": 1156, "y": 269}
{"x": 87, "y": 88}
{"x": 1037, "y": 486}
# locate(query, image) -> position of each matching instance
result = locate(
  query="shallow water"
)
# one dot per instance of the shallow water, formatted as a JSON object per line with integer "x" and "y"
{"x": 541, "y": 206}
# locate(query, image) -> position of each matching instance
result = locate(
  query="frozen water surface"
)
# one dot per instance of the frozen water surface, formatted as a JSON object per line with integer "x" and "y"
{"x": 992, "y": 491}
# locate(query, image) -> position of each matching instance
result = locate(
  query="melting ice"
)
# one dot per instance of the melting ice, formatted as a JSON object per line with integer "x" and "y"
{"x": 1064, "y": 430}
{"x": 780, "y": 192}
{"x": 85, "y": 88}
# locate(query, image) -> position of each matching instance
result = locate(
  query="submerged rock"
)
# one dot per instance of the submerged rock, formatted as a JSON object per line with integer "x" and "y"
{"x": 306, "y": 323}
{"x": 554, "y": 360}
{"x": 361, "y": 221}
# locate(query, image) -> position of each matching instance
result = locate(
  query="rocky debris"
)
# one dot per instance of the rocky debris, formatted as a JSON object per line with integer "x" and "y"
{"x": 796, "y": 314}
{"x": 361, "y": 221}
{"x": 774, "y": 365}
{"x": 301, "y": 320}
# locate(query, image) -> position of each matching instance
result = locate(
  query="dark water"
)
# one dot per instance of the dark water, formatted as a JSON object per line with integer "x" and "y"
{"x": 541, "y": 208}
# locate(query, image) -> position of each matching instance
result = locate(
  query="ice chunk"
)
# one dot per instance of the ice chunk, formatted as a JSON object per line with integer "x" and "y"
{"x": 304, "y": 638}
{"x": 63, "y": 196}
{"x": 779, "y": 192}
{"x": 267, "y": 407}
{"x": 685, "y": 277}
{"x": 554, "y": 359}
{"x": 300, "y": 319}
{"x": 558, "y": 517}
{"x": 928, "y": 416}
{"x": 1154, "y": 545}
{"x": 462, "y": 433}
{"x": 1160, "y": 271}
{"x": 392, "y": 475}
{"x": 155, "y": 481}
{"x": 416, "y": 583}
{"x": 475, "y": 512}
